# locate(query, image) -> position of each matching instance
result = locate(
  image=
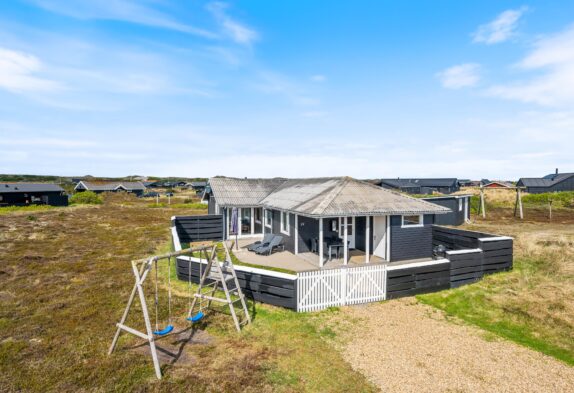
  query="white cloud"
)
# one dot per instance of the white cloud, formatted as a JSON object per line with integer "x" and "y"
{"x": 318, "y": 78}
{"x": 500, "y": 29}
{"x": 459, "y": 76}
{"x": 18, "y": 73}
{"x": 554, "y": 57}
{"x": 233, "y": 29}
{"x": 121, "y": 10}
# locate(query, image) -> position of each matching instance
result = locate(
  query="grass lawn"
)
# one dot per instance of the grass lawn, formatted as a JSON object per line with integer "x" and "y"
{"x": 65, "y": 278}
{"x": 533, "y": 304}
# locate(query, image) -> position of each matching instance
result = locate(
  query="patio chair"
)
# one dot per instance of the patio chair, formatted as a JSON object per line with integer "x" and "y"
{"x": 314, "y": 247}
{"x": 276, "y": 242}
{"x": 265, "y": 241}
{"x": 326, "y": 249}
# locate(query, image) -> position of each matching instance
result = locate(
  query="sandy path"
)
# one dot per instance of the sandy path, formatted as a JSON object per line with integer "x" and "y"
{"x": 403, "y": 346}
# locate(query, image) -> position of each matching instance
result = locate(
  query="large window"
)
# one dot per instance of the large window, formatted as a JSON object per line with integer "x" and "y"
{"x": 268, "y": 218}
{"x": 412, "y": 221}
{"x": 285, "y": 223}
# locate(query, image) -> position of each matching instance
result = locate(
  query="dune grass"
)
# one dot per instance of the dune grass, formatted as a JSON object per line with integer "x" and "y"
{"x": 64, "y": 281}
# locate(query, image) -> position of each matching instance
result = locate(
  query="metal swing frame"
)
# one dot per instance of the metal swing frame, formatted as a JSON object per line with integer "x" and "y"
{"x": 141, "y": 269}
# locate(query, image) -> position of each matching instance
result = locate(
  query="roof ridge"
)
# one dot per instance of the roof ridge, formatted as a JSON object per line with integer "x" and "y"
{"x": 332, "y": 195}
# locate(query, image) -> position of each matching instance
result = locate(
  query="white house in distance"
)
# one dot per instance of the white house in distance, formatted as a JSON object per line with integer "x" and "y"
{"x": 318, "y": 215}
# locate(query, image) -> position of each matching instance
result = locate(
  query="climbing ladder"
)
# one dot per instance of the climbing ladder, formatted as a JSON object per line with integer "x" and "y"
{"x": 220, "y": 276}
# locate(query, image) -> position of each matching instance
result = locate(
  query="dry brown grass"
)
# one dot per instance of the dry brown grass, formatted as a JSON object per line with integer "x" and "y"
{"x": 64, "y": 281}
{"x": 534, "y": 303}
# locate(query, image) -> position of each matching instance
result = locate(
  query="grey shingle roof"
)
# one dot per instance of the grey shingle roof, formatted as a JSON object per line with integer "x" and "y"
{"x": 546, "y": 181}
{"x": 230, "y": 191}
{"x": 29, "y": 187}
{"x": 320, "y": 197}
{"x": 111, "y": 186}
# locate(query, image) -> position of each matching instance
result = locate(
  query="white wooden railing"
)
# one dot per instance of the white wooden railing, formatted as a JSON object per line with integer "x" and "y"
{"x": 319, "y": 289}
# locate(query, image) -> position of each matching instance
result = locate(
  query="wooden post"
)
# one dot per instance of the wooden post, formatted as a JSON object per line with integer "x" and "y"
{"x": 321, "y": 242}
{"x": 345, "y": 243}
{"x": 519, "y": 195}
{"x": 482, "y": 209}
{"x": 550, "y": 209}
{"x": 367, "y": 239}
{"x": 296, "y": 234}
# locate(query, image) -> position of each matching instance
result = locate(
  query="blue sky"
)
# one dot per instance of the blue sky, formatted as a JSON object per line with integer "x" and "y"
{"x": 294, "y": 88}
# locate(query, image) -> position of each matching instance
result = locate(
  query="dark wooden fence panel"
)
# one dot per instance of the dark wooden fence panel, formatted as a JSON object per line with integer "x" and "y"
{"x": 259, "y": 287}
{"x": 199, "y": 228}
{"x": 456, "y": 239}
{"x": 410, "y": 281}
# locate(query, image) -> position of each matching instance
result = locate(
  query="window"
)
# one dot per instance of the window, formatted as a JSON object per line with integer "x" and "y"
{"x": 268, "y": 218}
{"x": 459, "y": 204}
{"x": 285, "y": 223}
{"x": 349, "y": 226}
{"x": 412, "y": 221}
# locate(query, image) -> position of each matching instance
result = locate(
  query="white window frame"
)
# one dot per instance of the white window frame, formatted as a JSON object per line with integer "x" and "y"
{"x": 285, "y": 231}
{"x": 420, "y": 224}
{"x": 460, "y": 203}
{"x": 267, "y": 214}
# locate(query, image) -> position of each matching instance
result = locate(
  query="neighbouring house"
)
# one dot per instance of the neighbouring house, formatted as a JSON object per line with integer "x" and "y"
{"x": 459, "y": 206}
{"x": 382, "y": 224}
{"x": 422, "y": 186}
{"x": 136, "y": 188}
{"x": 22, "y": 194}
{"x": 198, "y": 186}
{"x": 498, "y": 184}
{"x": 549, "y": 183}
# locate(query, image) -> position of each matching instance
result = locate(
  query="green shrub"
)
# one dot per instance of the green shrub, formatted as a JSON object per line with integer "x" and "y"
{"x": 564, "y": 198}
{"x": 86, "y": 198}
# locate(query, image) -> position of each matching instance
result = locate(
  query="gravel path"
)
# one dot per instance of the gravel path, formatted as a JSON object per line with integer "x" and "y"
{"x": 404, "y": 346}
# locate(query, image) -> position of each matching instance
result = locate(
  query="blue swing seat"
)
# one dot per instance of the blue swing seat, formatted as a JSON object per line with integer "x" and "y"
{"x": 164, "y": 331}
{"x": 196, "y": 317}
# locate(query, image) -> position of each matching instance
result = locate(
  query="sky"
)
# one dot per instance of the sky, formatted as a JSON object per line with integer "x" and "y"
{"x": 367, "y": 89}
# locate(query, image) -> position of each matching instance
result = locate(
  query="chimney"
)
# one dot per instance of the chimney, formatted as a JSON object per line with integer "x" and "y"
{"x": 556, "y": 170}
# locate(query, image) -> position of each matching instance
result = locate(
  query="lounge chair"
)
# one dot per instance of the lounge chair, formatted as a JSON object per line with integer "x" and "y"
{"x": 266, "y": 239}
{"x": 276, "y": 242}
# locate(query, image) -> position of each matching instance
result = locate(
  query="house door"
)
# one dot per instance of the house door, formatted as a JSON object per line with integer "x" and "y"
{"x": 350, "y": 230}
{"x": 380, "y": 236}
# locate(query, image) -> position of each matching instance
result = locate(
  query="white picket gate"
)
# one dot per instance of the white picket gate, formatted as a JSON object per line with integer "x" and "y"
{"x": 319, "y": 289}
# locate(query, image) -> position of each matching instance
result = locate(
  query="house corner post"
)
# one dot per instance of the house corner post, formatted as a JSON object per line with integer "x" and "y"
{"x": 321, "y": 242}
{"x": 367, "y": 239}
{"x": 345, "y": 241}
{"x": 296, "y": 234}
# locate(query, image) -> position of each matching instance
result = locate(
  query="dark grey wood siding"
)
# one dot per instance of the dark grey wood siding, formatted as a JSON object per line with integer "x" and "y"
{"x": 308, "y": 229}
{"x": 25, "y": 198}
{"x": 455, "y": 217}
{"x": 198, "y": 228}
{"x": 288, "y": 240}
{"x": 258, "y": 287}
{"x": 411, "y": 243}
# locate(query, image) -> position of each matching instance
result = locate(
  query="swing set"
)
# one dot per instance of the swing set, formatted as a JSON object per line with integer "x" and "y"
{"x": 221, "y": 277}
